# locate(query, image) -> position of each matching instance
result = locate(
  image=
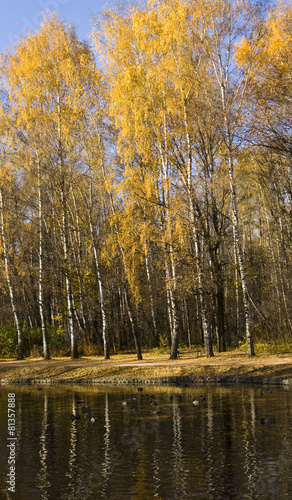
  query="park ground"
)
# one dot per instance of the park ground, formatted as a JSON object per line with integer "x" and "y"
{"x": 126, "y": 366}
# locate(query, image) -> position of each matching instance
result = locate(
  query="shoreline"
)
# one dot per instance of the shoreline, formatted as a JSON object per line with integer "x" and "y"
{"x": 178, "y": 380}
{"x": 229, "y": 368}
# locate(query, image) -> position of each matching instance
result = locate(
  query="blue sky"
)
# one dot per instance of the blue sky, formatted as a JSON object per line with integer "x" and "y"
{"x": 17, "y": 16}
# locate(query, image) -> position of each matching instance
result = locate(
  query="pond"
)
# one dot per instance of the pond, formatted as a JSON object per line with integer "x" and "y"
{"x": 234, "y": 442}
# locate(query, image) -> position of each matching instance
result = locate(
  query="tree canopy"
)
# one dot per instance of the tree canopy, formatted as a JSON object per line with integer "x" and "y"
{"x": 147, "y": 204}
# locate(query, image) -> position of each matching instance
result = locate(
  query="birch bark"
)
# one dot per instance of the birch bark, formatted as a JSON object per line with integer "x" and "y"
{"x": 64, "y": 224}
{"x": 40, "y": 280}
{"x": 9, "y": 282}
{"x": 100, "y": 283}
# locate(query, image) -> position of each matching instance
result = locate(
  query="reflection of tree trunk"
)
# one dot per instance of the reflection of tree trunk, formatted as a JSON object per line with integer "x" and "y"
{"x": 72, "y": 467}
{"x": 156, "y": 457}
{"x": 250, "y": 445}
{"x": 178, "y": 453}
{"x": 285, "y": 455}
{"x": 9, "y": 283}
{"x": 107, "y": 464}
{"x": 44, "y": 483}
{"x": 209, "y": 445}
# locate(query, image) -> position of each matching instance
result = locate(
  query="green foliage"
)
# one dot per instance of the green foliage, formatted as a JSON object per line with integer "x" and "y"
{"x": 273, "y": 347}
{"x": 32, "y": 342}
{"x": 32, "y": 339}
{"x": 8, "y": 339}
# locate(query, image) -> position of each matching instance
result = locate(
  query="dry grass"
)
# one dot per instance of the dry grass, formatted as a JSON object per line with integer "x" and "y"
{"x": 153, "y": 365}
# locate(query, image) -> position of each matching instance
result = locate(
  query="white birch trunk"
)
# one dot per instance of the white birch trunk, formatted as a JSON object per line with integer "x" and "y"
{"x": 67, "y": 284}
{"x": 222, "y": 75}
{"x": 101, "y": 295}
{"x": 188, "y": 180}
{"x": 170, "y": 273}
{"x": 78, "y": 263}
{"x": 70, "y": 311}
{"x": 9, "y": 283}
{"x": 99, "y": 280}
{"x": 248, "y": 332}
{"x": 126, "y": 292}
{"x": 152, "y": 308}
{"x": 236, "y": 287}
{"x": 40, "y": 291}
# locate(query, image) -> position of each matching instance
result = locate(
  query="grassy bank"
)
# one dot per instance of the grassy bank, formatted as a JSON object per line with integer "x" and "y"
{"x": 233, "y": 364}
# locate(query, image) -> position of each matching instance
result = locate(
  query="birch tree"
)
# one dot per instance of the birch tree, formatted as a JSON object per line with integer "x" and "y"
{"x": 224, "y": 22}
{"x": 51, "y": 79}
{"x": 269, "y": 89}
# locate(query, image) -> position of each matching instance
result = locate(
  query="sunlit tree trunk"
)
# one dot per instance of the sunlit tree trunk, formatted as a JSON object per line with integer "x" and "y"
{"x": 188, "y": 180}
{"x": 70, "y": 308}
{"x": 77, "y": 253}
{"x": 64, "y": 225}
{"x": 237, "y": 318}
{"x": 150, "y": 288}
{"x": 232, "y": 94}
{"x": 9, "y": 282}
{"x": 125, "y": 282}
{"x": 248, "y": 331}
{"x": 170, "y": 271}
{"x": 100, "y": 283}
{"x": 40, "y": 280}
{"x": 204, "y": 313}
{"x": 172, "y": 307}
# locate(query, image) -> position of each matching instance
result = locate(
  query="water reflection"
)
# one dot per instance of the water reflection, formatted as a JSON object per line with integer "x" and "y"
{"x": 155, "y": 445}
{"x": 42, "y": 477}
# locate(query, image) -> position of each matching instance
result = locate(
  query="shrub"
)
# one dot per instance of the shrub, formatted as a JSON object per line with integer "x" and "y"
{"x": 275, "y": 347}
{"x": 92, "y": 350}
{"x": 8, "y": 341}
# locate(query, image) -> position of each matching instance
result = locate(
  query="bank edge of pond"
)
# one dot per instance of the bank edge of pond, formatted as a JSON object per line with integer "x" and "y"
{"x": 174, "y": 380}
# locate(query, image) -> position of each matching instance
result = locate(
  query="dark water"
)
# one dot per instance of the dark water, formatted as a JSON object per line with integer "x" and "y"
{"x": 218, "y": 449}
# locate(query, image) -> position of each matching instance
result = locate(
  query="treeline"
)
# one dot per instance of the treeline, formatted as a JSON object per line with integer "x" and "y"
{"x": 149, "y": 203}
